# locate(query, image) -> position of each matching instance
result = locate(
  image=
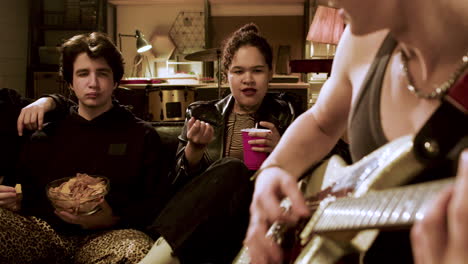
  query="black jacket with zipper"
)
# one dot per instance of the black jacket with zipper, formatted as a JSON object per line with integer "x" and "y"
{"x": 275, "y": 108}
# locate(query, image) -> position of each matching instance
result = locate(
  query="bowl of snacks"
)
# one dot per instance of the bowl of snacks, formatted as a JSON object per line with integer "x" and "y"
{"x": 79, "y": 195}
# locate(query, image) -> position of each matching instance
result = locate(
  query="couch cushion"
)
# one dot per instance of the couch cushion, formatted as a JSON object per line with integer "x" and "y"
{"x": 169, "y": 132}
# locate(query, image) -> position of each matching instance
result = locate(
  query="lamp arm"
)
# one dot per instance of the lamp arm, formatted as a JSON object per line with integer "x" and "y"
{"x": 124, "y": 35}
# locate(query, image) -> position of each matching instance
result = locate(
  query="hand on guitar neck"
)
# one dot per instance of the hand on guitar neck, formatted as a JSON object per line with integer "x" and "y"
{"x": 442, "y": 236}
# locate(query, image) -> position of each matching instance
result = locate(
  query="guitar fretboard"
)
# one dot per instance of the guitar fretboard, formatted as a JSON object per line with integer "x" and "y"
{"x": 397, "y": 207}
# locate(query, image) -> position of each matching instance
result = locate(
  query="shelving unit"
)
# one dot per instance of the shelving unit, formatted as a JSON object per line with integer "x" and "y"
{"x": 51, "y": 22}
{"x": 179, "y": 63}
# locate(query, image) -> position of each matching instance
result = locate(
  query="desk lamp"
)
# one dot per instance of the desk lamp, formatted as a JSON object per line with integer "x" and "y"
{"x": 142, "y": 44}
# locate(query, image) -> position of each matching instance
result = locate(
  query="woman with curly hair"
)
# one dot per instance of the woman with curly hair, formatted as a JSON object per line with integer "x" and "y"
{"x": 209, "y": 161}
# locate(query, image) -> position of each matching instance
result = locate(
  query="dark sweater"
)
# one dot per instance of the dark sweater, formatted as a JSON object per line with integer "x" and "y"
{"x": 115, "y": 144}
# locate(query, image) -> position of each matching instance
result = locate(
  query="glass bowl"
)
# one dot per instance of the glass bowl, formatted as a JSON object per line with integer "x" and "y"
{"x": 77, "y": 197}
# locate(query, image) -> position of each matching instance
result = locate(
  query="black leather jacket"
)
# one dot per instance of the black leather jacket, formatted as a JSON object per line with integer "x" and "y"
{"x": 275, "y": 108}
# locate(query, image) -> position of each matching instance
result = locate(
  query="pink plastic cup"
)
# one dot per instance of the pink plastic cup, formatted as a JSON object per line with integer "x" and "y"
{"x": 253, "y": 159}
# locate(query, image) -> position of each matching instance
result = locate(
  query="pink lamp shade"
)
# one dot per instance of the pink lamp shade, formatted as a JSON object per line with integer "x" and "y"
{"x": 327, "y": 26}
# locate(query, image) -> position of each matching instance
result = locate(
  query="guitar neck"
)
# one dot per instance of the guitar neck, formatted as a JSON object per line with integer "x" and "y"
{"x": 394, "y": 208}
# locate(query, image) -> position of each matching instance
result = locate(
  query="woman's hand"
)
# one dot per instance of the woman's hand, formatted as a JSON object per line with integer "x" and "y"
{"x": 8, "y": 198}
{"x": 32, "y": 116}
{"x": 103, "y": 218}
{"x": 272, "y": 185}
{"x": 199, "y": 133}
{"x": 270, "y": 139}
{"x": 442, "y": 236}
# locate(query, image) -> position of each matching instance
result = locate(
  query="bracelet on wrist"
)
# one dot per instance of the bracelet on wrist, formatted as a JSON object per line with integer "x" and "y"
{"x": 273, "y": 165}
{"x": 197, "y": 146}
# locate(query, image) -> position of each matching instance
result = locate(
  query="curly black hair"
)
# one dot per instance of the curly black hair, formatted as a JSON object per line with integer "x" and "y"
{"x": 96, "y": 45}
{"x": 247, "y": 35}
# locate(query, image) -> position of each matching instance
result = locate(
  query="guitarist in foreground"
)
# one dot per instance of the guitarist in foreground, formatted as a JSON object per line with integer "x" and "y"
{"x": 395, "y": 63}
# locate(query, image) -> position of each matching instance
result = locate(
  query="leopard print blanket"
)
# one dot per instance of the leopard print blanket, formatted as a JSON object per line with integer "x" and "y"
{"x": 31, "y": 240}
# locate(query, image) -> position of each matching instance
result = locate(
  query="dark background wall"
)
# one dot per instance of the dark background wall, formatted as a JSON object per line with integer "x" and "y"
{"x": 278, "y": 30}
{"x": 13, "y": 44}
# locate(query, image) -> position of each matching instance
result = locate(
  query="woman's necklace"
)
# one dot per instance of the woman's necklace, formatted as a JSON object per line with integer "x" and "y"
{"x": 440, "y": 91}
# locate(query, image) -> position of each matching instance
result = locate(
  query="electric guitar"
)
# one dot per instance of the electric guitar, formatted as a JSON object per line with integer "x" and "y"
{"x": 353, "y": 203}
{"x": 352, "y": 198}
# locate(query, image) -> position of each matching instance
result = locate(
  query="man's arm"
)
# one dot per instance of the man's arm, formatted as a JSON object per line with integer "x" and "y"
{"x": 32, "y": 115}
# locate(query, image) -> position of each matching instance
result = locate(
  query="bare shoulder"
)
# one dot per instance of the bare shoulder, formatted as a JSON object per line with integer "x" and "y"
{"x": 357, "y": 54}
{"x": 354, "y": 52}
{"x": 352, "y": 60}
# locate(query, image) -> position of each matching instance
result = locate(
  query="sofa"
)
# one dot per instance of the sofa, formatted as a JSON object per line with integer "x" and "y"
{"x": 168, "y": 132}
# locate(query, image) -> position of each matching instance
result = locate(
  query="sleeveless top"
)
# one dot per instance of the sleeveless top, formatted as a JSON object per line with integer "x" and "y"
{"x": 366, "y": 135}
{"x": 365, "y": 127}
